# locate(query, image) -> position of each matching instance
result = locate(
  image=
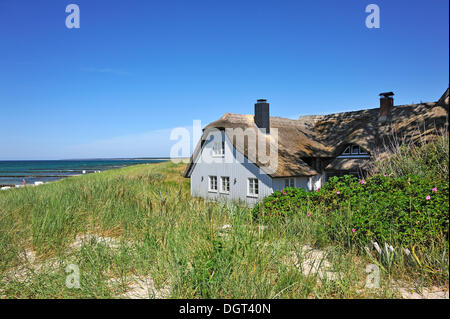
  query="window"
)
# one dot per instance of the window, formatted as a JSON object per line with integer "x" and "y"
{"x": 362, "y": 152}
{"x": 212, "y": 184}
{"x": 253, "y": 187}
{"x": 219, "y": 149}
{"x": 289, "y": 182}
{"x": 352, "y": 149}
{"x": 224, "y": 184}
{"x": 347, "y": 150}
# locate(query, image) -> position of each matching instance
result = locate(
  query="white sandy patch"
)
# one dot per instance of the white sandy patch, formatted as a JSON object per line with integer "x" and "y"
{"x": 95, "y": 239}
{"x": 29, "y": 267}
{"x": 313, "y": 262}
{"x": 140, "y": 287}
{"x": 408, "y": 292}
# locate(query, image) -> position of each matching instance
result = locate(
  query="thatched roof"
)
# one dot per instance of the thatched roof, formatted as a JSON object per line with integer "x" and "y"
{"x": 348, "y": 164}
{"x": 326, "y": 136}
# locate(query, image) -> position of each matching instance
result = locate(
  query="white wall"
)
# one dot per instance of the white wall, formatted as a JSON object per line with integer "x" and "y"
{"x": 227, "y": 166}
{"x": 239, "y": 173}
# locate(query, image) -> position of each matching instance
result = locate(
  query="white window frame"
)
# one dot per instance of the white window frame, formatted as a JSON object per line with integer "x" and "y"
{"x": 210, "y": 179}
{"x": 255, "y": 192}
{"x": 289, "y": 181}
{"x": 354, "y": 146}
{"x": 363, "y": 152}
{"x": 348, "y": 150}
{"x": 222, "y": 178}
{"x": 219, "y": 149}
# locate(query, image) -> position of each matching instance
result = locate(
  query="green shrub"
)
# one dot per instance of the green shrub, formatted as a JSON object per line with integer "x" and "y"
{"x": 407, "y": 210}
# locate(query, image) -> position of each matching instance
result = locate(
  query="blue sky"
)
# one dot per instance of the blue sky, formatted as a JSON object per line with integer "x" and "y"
{"x": 136, "y": 69}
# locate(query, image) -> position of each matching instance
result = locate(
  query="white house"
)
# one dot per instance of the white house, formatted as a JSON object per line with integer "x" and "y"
{"x": 229, "y": 162}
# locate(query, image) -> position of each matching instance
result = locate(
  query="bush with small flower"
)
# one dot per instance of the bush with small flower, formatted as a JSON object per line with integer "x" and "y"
{"x": 408, "y": 210}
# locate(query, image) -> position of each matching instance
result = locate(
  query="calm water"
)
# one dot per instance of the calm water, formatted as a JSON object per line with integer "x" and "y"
{"x": 14, "y": 172}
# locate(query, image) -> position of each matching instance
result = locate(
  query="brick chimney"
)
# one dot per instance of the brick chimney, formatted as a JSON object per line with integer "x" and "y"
{"x": 262, "y": 115}
{"x": 386, "y": 104}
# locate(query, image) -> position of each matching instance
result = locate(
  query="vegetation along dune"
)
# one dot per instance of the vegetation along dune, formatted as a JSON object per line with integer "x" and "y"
{"x": 136, "y": 232}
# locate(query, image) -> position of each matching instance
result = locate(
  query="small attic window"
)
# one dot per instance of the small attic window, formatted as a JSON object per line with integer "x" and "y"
{"x": 219, "y": 149}
{"x": 347, "y": 151}
{"x": 353, "y": 149}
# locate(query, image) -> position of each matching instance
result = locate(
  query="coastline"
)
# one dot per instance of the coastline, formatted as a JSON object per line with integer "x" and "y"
{"x": 52, "y": 171}
{"x": 38, "y": 183}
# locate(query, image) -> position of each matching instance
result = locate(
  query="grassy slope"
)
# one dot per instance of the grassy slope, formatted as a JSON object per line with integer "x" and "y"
{"x": 164, "y": 233}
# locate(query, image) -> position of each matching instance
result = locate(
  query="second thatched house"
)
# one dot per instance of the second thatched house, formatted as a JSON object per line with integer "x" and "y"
{"x": 247, "y": 157}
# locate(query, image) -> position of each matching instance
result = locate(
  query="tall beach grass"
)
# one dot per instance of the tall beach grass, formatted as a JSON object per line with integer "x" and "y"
{"x": 190, "y": 248}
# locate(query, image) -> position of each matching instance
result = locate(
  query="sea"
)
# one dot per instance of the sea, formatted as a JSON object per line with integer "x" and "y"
{"x": 13, "y": 173}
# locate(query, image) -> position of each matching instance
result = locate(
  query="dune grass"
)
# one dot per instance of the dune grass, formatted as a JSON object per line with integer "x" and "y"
{"x": 425, "y": 159}
{"x": 178, "y": 241}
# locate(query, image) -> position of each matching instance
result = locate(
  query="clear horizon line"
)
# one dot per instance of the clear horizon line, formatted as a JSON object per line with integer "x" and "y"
{"x": 98, "y": 158}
